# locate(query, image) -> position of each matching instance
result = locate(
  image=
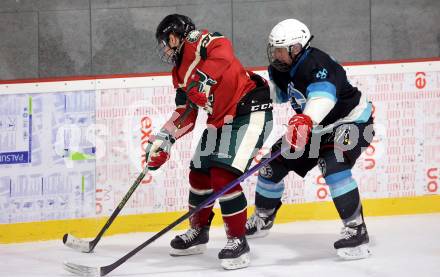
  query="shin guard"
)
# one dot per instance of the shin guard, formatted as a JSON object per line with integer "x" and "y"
{"x": 233, "y": 203}
{"x": 199, "y": 191}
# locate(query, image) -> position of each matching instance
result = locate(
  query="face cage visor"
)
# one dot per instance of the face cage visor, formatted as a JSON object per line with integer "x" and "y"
{"x": 167, "y": 54}
{"x": 277, "y": 64}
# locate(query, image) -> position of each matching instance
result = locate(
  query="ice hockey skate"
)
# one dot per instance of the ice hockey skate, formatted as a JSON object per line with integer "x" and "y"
{"x": 354, "y": 243}
{"x": 235, "y": 254}
{"x": 259, "y": 224}
{"x": 192, "y": 242}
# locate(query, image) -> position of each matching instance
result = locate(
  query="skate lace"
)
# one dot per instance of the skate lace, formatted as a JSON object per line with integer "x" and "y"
{"x": 348, "y": 232}
{"x": 233, "y": 244}
{"x": 255, "y": 221}
{"x": 190, "y": 234}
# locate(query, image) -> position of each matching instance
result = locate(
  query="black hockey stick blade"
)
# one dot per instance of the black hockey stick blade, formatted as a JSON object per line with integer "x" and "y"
{"x": 82, "y": 270}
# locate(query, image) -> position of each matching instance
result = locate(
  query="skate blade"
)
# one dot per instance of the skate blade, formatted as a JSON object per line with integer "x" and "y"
{"x": 258, "y": 234}
{"x": 240, "y": 262}
{"x": 194, "y": 250}
{"x": 354, "y": 253}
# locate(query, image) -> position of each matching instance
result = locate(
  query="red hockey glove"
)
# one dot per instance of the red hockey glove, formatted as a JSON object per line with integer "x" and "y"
{"x": 158, "y": 148}
{"x": 298, "y": 131}
{"x": 198, "y": 88}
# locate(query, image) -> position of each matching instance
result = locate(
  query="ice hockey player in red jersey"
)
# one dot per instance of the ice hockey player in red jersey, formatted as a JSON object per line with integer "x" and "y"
{"x": 206, "y": 74}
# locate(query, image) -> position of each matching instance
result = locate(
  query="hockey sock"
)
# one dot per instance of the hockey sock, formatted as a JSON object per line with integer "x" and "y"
{"x": 345, "y": 194}
{"x": 200, "y": 190}
{"x": 233, "y": 203}
{"x": 267, "y": 193}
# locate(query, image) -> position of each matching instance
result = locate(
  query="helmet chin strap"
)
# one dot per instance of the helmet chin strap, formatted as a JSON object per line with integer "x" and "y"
{"x": 298, "y": 56}
{"x": 178, "y": 47}
{"x": 176, "y": 53}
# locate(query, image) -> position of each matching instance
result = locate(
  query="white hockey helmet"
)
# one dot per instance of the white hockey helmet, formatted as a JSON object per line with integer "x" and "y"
{"x": 284, "y": 35}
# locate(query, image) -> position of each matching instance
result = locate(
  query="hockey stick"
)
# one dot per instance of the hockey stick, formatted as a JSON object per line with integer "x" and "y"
{"x": 88, "y": 246}
{"x": 82, "y": 270}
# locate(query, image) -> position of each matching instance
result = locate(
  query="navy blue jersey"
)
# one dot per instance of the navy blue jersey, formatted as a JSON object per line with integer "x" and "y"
{"x": 318, "y": 76}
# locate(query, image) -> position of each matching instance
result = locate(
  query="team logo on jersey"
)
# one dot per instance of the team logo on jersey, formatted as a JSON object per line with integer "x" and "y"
{"x": 297, "y": 99}
{"x": 321, "y": 73}
{"x": 193, "y": 36}
{"x": 266, "y": 171}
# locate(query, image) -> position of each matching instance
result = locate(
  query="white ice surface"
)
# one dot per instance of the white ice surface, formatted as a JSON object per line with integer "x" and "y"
{"x": 401, "y": 245}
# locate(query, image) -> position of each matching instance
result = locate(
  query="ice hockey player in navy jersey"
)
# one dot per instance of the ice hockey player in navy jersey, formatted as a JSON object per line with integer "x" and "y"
{"x": 332, "y": 126}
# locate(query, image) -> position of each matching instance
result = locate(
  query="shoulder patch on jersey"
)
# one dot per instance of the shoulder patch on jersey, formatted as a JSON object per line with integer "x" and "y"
{"x": 205, "y": 41}
{"x": 193, "y": 36}
{"x": 320, "y": 73}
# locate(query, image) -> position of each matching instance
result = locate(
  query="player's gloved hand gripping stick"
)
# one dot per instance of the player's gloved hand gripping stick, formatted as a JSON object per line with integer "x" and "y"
{"x": 88, "y": 246}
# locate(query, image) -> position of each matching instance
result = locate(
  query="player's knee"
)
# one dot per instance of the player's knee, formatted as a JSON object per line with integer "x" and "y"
{"x": 221, "y": 177}
{"x": 340, "y": 183}
{"x": 337, "y": 175}
{"x": 234, "y": 200}
{"x": 270, "y": 186}
{"x": 200, "y": 188}
{"x": 199, "y": 180}
{"x": 232, "y": 203}
{"x": 267, "y": 193}
{"x": 343, "y": 189}
{"x": 269, "y": 189}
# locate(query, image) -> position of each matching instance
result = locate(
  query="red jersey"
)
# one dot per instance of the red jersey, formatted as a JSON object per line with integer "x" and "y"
{"x": 213, "y": 54}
